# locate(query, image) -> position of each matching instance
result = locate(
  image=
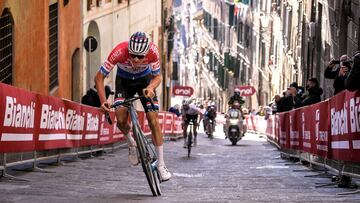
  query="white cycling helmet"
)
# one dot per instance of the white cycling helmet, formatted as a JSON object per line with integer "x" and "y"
{"x": 138, "y": 44}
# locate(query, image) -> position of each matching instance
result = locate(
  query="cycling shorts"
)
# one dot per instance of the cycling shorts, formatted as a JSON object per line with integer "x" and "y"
{"x": 127, "y": 88}
{"x": 192, "y": 118}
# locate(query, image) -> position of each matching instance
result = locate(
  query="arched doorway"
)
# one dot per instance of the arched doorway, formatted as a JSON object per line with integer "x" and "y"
{"x": 93, "y": 60}
{"x": 6, "y": 50}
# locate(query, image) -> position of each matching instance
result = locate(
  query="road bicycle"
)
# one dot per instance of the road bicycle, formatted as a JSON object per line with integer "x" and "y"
{"x": 146, "y": 151}
{"x": 189, "y": 138}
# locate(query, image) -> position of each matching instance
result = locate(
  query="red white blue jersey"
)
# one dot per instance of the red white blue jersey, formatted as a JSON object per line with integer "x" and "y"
{"x": 127, "y": 68}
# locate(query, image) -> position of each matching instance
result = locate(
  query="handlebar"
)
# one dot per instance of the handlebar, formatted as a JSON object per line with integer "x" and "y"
{"x": 126, "y": 102}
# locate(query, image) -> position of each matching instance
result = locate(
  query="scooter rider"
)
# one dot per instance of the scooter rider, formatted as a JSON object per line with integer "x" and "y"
{"x": 190, "y": 113}
{"x": 229, "y": 115}
{"x": 237, "y": 97}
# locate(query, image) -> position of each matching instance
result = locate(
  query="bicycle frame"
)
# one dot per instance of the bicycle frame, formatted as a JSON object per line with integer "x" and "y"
{"x": 146, "y": 151}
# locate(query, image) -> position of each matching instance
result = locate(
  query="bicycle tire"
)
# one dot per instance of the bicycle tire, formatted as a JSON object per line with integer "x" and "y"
{"x": 189, "y": 142}
{"x": 147, "y": 162}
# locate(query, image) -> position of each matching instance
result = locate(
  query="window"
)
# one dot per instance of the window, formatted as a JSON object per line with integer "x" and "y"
{"x": 90, "y": 4}
{"x": 6, "y": 25}
{"x": 53, "y": 46}
{"x": 66, "y": 2}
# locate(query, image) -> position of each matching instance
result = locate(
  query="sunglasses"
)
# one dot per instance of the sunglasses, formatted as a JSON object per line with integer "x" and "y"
{"x": 137, "y": 56}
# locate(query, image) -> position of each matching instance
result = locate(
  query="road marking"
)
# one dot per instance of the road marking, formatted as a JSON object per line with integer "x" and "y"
{"x": 270, "y": 167}
{"x": 185, "y": 175}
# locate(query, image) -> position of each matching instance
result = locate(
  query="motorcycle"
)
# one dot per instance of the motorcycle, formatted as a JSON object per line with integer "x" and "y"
{"x": 234, "y": 128}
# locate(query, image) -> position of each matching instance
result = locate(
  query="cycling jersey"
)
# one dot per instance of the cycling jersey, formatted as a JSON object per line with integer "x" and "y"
{"x": 126, "y": 68}
{"x": 192, "y": 110}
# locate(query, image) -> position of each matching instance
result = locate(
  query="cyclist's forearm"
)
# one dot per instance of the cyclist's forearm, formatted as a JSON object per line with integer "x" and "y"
{"x": 155, "y": 82}
{"x": 99, "y": 82}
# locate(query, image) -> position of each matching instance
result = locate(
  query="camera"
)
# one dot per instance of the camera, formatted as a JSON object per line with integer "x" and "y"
{"x": 336, "y": 61}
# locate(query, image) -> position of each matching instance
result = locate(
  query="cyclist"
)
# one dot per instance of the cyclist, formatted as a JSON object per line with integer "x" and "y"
{"x": 190, "y": 113}
{"x": 138, "y": 71}
{"x": 210, "y": 114}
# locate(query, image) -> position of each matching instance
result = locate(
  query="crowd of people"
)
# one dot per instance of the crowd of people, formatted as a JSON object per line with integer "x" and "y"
{"x": 345, "y": 72}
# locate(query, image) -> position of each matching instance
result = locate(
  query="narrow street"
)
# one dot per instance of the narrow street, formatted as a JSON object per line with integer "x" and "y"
{"x": 251, "y": 171}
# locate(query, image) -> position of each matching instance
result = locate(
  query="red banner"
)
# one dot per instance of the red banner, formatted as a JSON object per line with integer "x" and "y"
{"x": 344, "y": 111}
{"x": 320, "y": 128}
{"x": 17, "y": 116}
{"x": 161, "y": 116}
{"x": 305, "y": 123}
{"x": 145, "y": 126}
{"x": 30, "y": 122}
{"x": 177, "y": 125}
{"x": 54, "y": 119}
{"x": 284, "y": 136}
{"x": 168, "y": 123}
{"x": 294, "y": 129}
{"x": 91, "y": 128}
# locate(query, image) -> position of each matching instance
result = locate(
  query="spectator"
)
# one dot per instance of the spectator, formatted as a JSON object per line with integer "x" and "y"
{"x": 338, "y": 72}
{"x": 290, "y": 101}
{"x": 261, "y": 111}
{"x": 277, "y": 104}
{"x": 91, "y": 98}
{"x": 352, "y": 81}
{"x": 175, "y": 109}
{"x": 268, "y": 112}
{"x": 245, "y": 111}
{"x": 253, "y": 112}
{"x": 314, "y": 92}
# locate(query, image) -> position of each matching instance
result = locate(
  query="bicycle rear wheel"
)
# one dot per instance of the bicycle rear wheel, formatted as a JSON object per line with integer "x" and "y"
{"x": 189, "y": 142}
{"x": 148, "y": 161}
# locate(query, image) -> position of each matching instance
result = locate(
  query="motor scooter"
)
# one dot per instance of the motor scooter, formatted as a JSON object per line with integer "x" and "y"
{"x": 234, "y": 128}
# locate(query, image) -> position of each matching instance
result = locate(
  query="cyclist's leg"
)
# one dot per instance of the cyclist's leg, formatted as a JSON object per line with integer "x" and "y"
{"x": 122, "y": 93}
{"x": 122, "y": 118}
{"x": 157, "y": 136}
{"x": 195, "y": 118}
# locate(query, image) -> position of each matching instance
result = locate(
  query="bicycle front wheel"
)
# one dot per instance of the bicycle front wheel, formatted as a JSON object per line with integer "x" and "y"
{"x": 148, "y": 161}
{"x": 189, "y": 143}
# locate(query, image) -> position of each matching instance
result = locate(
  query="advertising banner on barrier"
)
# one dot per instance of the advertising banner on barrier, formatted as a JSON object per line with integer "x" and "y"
{"x": 345, "y": 126}
{"x": 75, "y": 119}
{"x": 305, "y": 125}
{"x": 17, "y": 119}
{"x": 92, "y": 126}
{"x": 168, "y": 122}
{"x": 177, "y": 125}
{"x": 270, "y": 127}
{"x": 55, "y": 120}
{"x": 117, "y": 134}
{"x": 161, "y": 116}
{"x": 105, "y": 130}
{"x": 284, "y": 130}
{"x": 277, "y": 128}
{"x": 320, "y": 129}
{"x": 145, "y": 124}
{"x": 294, "y": 129}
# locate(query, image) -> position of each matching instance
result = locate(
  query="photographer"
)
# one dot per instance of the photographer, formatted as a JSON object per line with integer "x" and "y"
{"x": 352, "y": 81}
{"x": 338, "y": 72}
{"x": 290, "y": 101}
